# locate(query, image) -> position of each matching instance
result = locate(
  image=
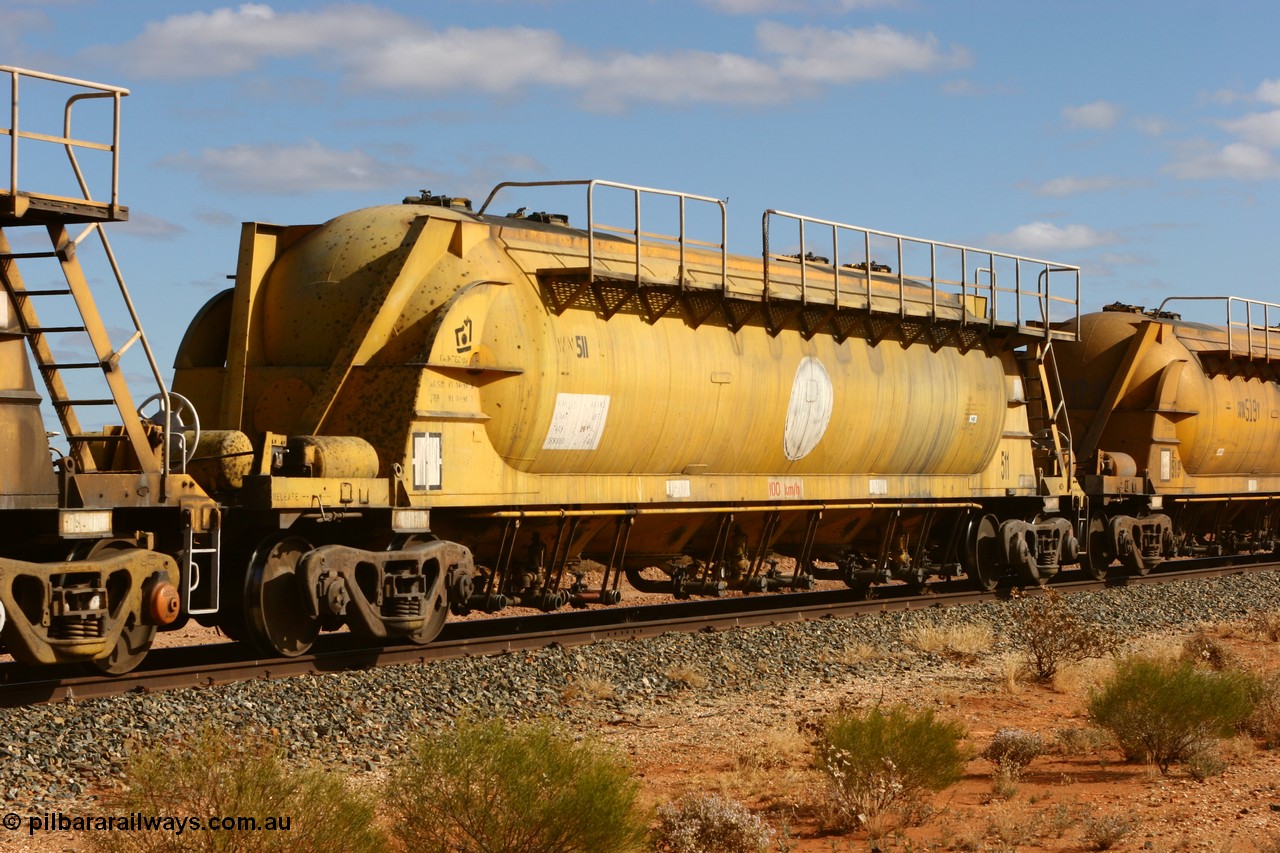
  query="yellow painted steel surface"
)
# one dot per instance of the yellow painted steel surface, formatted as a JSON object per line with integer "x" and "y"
{"x": 26, "y": 477}
{"x": 621, "y": 396}
{"x": 425, "y": 332}
{"x": 1175, "y": 418}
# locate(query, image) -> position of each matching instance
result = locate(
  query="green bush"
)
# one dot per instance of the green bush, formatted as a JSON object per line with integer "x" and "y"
{"x": 479, "y": 787}
{"x": 709, "y": 824}
{"x": 217, "y": 775}
{"x": 879, "y": 761}
{"x": 1166, "y": 711}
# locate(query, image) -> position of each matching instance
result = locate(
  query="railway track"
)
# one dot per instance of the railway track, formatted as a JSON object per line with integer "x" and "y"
{"x": 226, "y": 663}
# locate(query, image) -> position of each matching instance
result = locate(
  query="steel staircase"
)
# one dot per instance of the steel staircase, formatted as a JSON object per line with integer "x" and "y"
{"x": 79, "y": 326}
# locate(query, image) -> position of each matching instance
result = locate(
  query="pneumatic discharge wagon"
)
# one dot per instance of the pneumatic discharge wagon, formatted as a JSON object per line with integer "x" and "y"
{"x": 422, "y": 408}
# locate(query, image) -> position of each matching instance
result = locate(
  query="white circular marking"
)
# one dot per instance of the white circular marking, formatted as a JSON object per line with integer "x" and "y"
{"x": 809, "y": 410}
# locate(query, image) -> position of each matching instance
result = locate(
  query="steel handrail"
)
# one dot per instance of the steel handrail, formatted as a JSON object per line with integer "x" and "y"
{"x": 969, "y": 258}
{"x": 681, "y": 239}
{"x": 1266, "y": 328}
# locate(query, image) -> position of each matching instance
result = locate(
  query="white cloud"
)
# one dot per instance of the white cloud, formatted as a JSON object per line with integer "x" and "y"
{"x": 682, "y": 78}
{"x": 1251, "y": 156}
{"x": 1073, "y": 185}
{"x": 1099, "y": 115}
{"x": 491, "y": 60}
{"x": 1268, "y": 91}
{"x": 377, "y": 48}
{"x": 1261, "y": 129}
{"x": 294, "y": 169}
{"x": 233, "y": 41}
{"x": 1045, "y": 238}
{"x": 1238, "y": 160}
{"x": 813, "y": 54}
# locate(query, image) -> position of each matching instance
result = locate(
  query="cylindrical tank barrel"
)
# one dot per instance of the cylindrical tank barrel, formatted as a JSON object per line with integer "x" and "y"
{"x": 579, "y": 392}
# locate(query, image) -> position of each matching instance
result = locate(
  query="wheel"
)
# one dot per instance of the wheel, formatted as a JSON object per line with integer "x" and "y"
{"x": 182, "y": 416}
{"x": 1097, "y": 552}
{"x": 438, "y": 610}
{"x": 276, "y": 619}
{"x": 131, "y": 647}
{"x": 982, "y": 552}
{"x": 135, "y": 640}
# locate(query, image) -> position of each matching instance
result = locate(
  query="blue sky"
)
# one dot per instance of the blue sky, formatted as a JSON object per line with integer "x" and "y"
{"x": 1140, "y": 140}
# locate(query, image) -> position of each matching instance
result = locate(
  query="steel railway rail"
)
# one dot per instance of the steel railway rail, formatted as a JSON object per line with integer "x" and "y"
{"x": 227, "y": 663}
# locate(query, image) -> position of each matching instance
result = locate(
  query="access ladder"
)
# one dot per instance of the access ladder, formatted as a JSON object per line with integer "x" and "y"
{"x": 22, "y": 208}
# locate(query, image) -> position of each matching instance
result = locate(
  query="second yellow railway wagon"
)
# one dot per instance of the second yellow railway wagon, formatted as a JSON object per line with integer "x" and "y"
{"x": 568, "y": 403}
{"x": 1178, "y": 429}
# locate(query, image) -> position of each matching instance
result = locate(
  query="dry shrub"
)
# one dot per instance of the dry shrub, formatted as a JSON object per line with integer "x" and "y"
{"x": 708, "y": 823}
{"x": 1081, "y": 741}
{"x": 854, "y": 654}
{"x": 770, "y": 750}
{"x": 1265, "y": 625}
{"x": 1014, "y": 749}
{"x": 1103, "y": 832}
{"x": 965, "y": 641}
{"x": 589, "y": 687}
{"x": 1011, "y": 750}
{"x": 686, "y": 675}
{"x": 1009, "y": 669}
{"x": 1052, "y": 636}
{"x": 1264, "y": 722}
{"x": 1077, "y": 679}
{"x": 1203, "y": 649}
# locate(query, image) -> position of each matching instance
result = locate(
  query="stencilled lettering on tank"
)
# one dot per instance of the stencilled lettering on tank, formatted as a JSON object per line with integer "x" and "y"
{"x": 809, "y": 410}
{"x": 577, "y": 422}
{"x": 786, "y": 488}
{"x": 428, "y": 461}
{"x": 575, "y": 346}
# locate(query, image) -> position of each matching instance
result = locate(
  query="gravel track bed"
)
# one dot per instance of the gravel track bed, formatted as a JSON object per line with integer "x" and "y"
{"x": 53, "y": 756}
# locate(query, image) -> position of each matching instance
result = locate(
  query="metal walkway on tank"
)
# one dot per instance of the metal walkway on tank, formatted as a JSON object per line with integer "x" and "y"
{"x": 914, "y": 283}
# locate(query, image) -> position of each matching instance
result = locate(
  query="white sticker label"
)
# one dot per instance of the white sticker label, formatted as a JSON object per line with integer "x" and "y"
{"x": 809, "y": 410}
{"x": 678, "y": 488}
{"x": 879, "y": 487}
{"x": 428, "y": 461}
{"x": 1166, "y": 463}
{"x": 578, "y": 422}
{"x": 4, "y": 311}
{"x": 1253, "y": 485}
